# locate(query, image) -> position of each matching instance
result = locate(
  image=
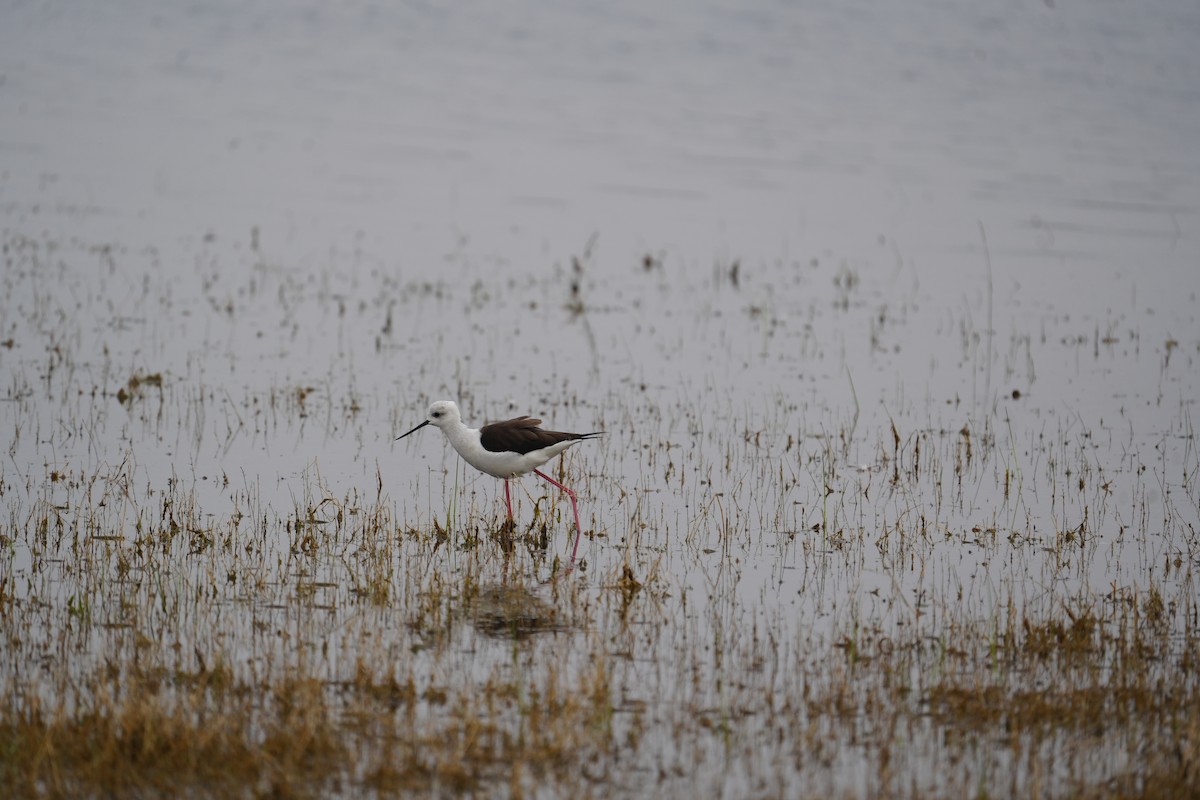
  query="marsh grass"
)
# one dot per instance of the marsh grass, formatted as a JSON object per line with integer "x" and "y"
{"x": 205, "y": 733}
{"x": 232, "y": 588}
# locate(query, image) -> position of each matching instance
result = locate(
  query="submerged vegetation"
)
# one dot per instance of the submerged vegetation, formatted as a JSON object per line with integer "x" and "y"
{"x": 814, "y": 564}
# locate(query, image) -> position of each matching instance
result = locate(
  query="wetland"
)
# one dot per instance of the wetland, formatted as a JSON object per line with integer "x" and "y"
{"x": 890, "y": 321}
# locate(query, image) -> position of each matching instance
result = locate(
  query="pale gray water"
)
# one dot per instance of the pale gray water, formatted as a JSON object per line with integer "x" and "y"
{"x": 384, "y": 205}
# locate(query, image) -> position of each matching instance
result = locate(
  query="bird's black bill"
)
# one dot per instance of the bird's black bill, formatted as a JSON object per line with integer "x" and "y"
{"x": 414, "y": 430}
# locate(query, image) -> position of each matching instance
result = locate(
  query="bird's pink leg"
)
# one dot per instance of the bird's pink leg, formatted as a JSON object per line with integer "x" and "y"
{"x": 508, "y": 501}
{"x": 574, "y": 507}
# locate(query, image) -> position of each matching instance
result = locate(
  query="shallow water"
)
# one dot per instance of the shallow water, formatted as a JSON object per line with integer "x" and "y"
{"x": 890, "y": 315}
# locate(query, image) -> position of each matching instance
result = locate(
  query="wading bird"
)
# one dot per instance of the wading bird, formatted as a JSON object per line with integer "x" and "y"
{"x": 506, "y": 449}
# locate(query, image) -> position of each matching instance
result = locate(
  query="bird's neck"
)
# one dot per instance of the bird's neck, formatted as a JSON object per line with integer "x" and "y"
{"x": 461, "y": 436}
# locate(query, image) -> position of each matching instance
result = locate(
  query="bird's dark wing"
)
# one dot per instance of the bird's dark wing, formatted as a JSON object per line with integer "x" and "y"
{"x": 521, "y": 435}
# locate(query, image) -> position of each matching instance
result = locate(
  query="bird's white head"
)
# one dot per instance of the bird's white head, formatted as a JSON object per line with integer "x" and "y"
{"x": 442, "y": 414}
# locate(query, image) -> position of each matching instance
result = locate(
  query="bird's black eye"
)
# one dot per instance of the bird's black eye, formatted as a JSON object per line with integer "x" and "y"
{"x": 437, "y": 413}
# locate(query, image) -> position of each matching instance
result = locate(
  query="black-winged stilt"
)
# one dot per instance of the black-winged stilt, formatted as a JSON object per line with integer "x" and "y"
{"x": 506, "y": 449}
